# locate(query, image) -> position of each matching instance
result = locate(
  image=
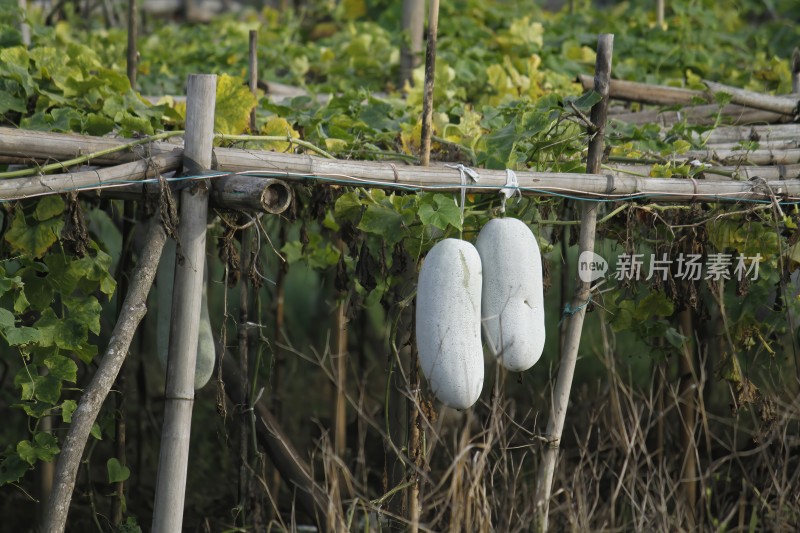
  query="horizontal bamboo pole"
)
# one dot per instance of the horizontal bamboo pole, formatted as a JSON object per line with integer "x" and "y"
{"x": 753, "y": 157}
{"x": 664, "y": 95}
{"x": 389, "y": 175}
{"x": 768, "y": 132}
{"x": 442, "y": 178}
{"x": 718, "y": 173}
{"x": 646, "y": 93}
{"x": 702, "y": 115}
{"x": 18, "y": 188}
{"x": 228, "y": 192}
{"x": 48, "y": 146}
{"x": 778, "y": 104}
{"x": 777, "y": 145}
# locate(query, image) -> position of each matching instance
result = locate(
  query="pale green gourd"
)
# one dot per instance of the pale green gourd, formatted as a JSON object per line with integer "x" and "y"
{"x": 513, "y": 297}
{"x": 448, "y": 322}
{"x": 206, "y": 354}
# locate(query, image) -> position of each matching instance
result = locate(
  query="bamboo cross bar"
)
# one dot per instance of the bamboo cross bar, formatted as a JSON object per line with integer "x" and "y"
{"x": 443, "y": 178}
{"x": 646, "y": 93}
{"x": 778, "y": 104}
{"x": 701, "y": 115}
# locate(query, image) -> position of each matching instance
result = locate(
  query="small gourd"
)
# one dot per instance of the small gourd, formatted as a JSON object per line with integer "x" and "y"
{"x": 206, "y": 354}
{"x": 448, "y": 322}
{"x": 512, "y": 298}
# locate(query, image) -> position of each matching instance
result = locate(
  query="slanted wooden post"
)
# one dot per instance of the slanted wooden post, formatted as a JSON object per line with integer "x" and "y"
{"x": 572, "y": 339}
{"x": 187, "y": 295}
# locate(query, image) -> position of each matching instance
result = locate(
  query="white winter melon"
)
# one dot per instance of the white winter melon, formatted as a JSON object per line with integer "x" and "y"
{"x": 449, "y": 322}
{"x": 206, "y": 355}
{"x": 512, "y": 300}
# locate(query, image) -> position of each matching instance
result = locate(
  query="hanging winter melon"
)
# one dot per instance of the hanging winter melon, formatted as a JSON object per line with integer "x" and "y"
{"x": 448, "y": 322}
{"x": 512, "y": 298}
{"x": 206, "y": 355}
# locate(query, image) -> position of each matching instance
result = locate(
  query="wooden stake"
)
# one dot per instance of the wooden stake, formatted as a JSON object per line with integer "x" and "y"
{"x": 574, "y": 321}
{"x": 253, "y": 67}
{"x": 133, "y": 310}
{"x": 430, "y": 77}
{"x": 133, "y": 53}
{"x": 660, "y": 13}
{"x": 24, "y": 27}
{"x": 413, "y": 25}
{"x": 187, "y": 294}
{"x": 796, "y": 71}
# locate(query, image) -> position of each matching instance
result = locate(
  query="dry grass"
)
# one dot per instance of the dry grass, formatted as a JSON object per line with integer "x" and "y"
{"x": 620, "y": 468}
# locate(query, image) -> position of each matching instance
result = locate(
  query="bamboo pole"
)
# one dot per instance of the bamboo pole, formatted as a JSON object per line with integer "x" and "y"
{"x": 24, "y": 27}
{"x": 795, "y": 67}
{"x": 660, "y": 14}
{"x": 26, "y": 145}
{"x": 179, "y": 394}
{"x": 778, "y": 104}
{"x": 430, "y": 77}
{"x": 133, "y": 310}
{"x": 646, "y": 93}
{"x": 413, "y": 25}
{"x": 574, "y": 321}
{"x": 701, "y": 115}
{"x": 133, "y": 53}
{"x": 253, "y": 69}
{"x": 243, "y": 191}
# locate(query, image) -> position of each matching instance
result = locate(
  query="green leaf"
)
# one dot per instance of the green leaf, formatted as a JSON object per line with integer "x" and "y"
{"x": 348, "y": 207}
{"x": 6, "y": 319}
{"x": 62, "y": 368}
{"x": 655, "y": 304}
{"x": 85, "y": 310}
{"x": 67, "y": 408}
{"x": 49, "y": 207}
{"x": 12, "y": 469}
{"x": 48, "y": 389}
{"x": 96, "y": 432}
{"x": 10, "y": 102}
{"x": 116, "y": 471}
{"x": 22, "y": 336}
{"x": 587, "y": 100}
{"x": 674, "y": 338}
{"x": 35, "y": 240}
{"x": 441, "y": 212}
{"x": 234, "y": 103}
{"x": 44, "y": 447}
{"x": 383, "y": 221}
{"x": 500, "y": 144}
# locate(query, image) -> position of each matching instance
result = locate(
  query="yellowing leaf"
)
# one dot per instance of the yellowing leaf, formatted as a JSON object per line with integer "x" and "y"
{"x": 278, "y": 126}
{"x": 234, "y": 103}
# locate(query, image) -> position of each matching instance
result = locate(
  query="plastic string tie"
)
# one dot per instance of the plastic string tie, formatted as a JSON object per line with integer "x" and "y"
{"x": 511, "y": 188}
{"x": 464, "y": 172}
{"x": 569, "y": 311}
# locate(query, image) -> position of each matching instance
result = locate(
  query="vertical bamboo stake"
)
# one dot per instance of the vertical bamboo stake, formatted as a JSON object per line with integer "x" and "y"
{"x": 187, "y": 296}
{"x": 253, "y": 64}
{"x": 660, "y": 13}
{"x": 688, "y": 415}
{"x": 244, "y": 423}
{"x": 24, "y": 28}
{"x": 133, "y": 53}
{"x": 430, "y": 76}
{"x": 555, "y": 424}
{"x": 413, "y": 25}
{"x": 796, "y": 71}
{"x": 340, "y": 363}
